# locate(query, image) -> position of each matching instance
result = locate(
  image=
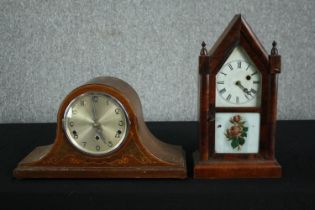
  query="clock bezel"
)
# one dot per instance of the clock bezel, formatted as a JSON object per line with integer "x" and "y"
{"x": 79, "y": 147}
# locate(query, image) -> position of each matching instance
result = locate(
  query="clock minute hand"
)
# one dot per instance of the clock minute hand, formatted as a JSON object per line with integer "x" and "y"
{"x": 238, "y": 83}
{"x": 93, "y": 110}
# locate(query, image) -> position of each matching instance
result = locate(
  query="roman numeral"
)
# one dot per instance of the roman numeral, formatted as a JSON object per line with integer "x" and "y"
{"x": 222, "y": 91}
{"x": 237, "y": 100}
{"x": 239, "y": 64}
{"x": 246, "y": 96}
{"x": 229, "y": 97}
{"x": 254, "y": 73}
{"x": 230, "y": 66}
{"x": 248, "y": 67}
{"x": 220, "y": 82}
{"x": 223, "y": 73}
{"x": 256, "y": 82}
{"x": 253, "y": 91}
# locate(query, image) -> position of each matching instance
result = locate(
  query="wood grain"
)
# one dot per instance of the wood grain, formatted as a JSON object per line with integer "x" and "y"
{"x": 210, "y": 165}
{"x": 141, "y": 155}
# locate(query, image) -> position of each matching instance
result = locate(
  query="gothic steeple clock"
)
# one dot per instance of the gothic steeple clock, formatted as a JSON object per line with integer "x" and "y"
{"x": 238, "y": 100}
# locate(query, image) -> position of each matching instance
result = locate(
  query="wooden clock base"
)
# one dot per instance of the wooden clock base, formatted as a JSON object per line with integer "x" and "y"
{"x": 230, "y": 169}
{"x": 32, "y": 166}
{"x": 26, "y": 169}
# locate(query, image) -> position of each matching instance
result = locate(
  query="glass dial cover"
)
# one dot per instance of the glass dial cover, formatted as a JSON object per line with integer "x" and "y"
{"x": 96, "y": 123}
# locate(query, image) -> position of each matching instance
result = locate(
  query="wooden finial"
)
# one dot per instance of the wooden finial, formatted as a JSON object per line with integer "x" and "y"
{"x": 203, "y": 50}
{"x": 274, "y": 50}
{"x": 274, "y": 59}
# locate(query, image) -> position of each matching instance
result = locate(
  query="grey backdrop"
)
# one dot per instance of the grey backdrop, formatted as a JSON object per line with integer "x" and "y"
{"x": 47, "y": 48}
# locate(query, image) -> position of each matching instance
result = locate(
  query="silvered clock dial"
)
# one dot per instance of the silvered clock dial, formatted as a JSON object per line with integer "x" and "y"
{"x": 95, "y": 123}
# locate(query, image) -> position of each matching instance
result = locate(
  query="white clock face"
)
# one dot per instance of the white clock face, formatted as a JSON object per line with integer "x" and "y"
{"x": 238, "y": 83}
{"x": 95, "y": 123}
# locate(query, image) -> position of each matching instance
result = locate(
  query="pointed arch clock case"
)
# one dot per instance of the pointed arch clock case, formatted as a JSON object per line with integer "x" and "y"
{"x": 238, "y": 99}
{"x": 101, "y": 133}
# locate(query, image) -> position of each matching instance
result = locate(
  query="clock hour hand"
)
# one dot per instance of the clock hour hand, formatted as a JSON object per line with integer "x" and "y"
{"x": 239, "y": 84}
{"x": 99, "y": 133}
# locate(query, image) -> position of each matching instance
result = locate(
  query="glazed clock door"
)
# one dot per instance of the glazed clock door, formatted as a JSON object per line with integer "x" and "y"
{"x": 238, "y": 86}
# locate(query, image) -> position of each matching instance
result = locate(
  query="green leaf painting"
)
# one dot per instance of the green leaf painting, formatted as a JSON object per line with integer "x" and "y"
{"x": 237, "y": 132}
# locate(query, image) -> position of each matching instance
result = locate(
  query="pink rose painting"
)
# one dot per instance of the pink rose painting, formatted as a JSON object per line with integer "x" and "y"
{"x": 237, "y": 132}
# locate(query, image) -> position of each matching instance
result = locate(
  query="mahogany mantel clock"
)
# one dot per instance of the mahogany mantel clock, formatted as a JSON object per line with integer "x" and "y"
{"x": 101, "y": 134}
{"x": 238, "y": 100}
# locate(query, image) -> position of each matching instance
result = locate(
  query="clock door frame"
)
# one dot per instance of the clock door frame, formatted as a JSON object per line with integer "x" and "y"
{"x": 238, "y": 33}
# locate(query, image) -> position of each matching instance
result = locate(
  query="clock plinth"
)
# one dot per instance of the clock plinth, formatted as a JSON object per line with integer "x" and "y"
{"x": 231, "y": 169}
{"x": 32, "y": 167}
{"x": 141, "y": 155}
{"x": 238, "y": 107}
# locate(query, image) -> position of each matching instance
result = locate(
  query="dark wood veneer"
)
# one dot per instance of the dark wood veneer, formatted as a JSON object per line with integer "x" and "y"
{"x": 208, "y": 164}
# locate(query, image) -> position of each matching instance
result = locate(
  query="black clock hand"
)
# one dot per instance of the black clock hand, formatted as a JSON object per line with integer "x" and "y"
{"x": 238, "y": 83}
{"x": 99, "y": 133}
{"x": 247, "y": 91}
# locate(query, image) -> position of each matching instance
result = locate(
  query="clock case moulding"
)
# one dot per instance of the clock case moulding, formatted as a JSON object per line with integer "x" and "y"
{"x": 141, "y": 155}
{"x": 207, "y": 163}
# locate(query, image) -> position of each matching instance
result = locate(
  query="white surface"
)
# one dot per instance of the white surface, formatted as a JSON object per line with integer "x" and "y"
{"x": 230, "y": 73}
{"x": 251, "y": 145}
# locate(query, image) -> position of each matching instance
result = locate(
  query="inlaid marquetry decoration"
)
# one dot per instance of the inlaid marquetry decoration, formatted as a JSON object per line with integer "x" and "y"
{"x": 101, "y": 133}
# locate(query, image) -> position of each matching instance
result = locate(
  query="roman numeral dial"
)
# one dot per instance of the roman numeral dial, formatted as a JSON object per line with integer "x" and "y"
{"x": 238, "y": 84}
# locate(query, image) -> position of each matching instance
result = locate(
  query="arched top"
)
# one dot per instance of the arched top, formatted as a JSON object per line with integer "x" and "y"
{"x": 149, "y": 148}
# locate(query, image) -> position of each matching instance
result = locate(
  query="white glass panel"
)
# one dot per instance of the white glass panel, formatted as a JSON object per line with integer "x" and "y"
{"x": 237, "y": 132}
